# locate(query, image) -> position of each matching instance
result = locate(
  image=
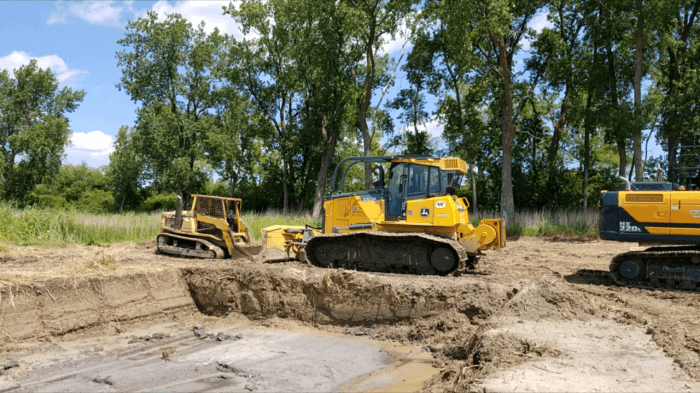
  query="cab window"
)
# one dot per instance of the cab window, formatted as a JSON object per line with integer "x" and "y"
{"x": 434, "y": 187}
{"x": 418, "y": 180}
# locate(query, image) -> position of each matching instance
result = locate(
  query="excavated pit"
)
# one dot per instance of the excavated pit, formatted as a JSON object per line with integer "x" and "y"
{"x": 515, "y": 315}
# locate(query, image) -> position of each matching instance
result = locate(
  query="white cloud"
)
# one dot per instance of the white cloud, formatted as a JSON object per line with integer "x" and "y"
{"x": 56, "y": 63}
{"x": 211, "y": 12}
{"x": 393, "y": 46}
{"x": 434, "y": 127}
{"x": 538, "y": 22}
{"x": 105, "y": 13}
{"x": 93, "y": 144}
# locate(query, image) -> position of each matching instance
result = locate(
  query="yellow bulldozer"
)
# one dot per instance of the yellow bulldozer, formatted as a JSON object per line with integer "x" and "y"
{"x": 409, "y": 222}
{"x": 212, "y": 228}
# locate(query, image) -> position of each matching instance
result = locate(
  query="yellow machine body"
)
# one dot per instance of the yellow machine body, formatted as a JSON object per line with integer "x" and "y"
{"x": 411, "y": 223}
{"x": 212, "y": 228}
{"x": 442, "y": 215}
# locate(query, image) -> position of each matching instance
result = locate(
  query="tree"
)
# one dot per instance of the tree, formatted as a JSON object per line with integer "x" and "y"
{"x": 265, "y": 69}
{"x": 33, "y": 127}
{"x": 373, "y": 22}
{"x": 125, "y": 169}
{"x": 324, "y": 54}
{"x": 495, "y": 30}
{"x": 674, "y": 74}
{"x": 555, "y": 53}
{"x": 411, "y": 103}
{"x": 232, "y": 146}
{"x": 447, "y": 62}
{"x": 168, "y": 70}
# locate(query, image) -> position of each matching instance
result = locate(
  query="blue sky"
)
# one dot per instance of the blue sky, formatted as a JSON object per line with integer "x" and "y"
{"x": 78, "y": 40}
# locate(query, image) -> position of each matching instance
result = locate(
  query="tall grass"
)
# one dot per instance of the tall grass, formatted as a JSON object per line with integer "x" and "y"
{"x": 257, "y": 221}
{"x": 544, "y": 222}
{"x": 48, "y": 227}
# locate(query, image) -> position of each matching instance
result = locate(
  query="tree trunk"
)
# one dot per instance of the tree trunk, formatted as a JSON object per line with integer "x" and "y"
{"x": 475, "y": 206}
{"x": 507, "y": 134}
{"x": 364, "y": 106}
{"x": 638, "y": 38}
{"x": 623, "y": 156}
{"x": 558, "y": 127}
{"x": 285, "y": 197}
{"x": 586, "y": 164}
{"x": 463, "y": 127}
{"x": 121, "y": 206}
{"x": 672, "y": 140}
{"x": 325, "y": 166}
{"x": 619, "y": 139}
{"x": 588, "y": 124}
{"x": 234, "y": 180}
{"x": 507, "y": 202}
{"x": 367, "y": 145}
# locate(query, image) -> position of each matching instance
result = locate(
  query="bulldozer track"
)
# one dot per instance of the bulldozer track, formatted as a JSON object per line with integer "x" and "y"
{"x": 212, "y": 252}
{"x": 675, "y": 257}
{"x": 385, "y": 252}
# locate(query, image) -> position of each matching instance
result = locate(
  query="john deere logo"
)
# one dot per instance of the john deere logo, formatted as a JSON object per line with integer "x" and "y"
{"x": 425, "y": 212}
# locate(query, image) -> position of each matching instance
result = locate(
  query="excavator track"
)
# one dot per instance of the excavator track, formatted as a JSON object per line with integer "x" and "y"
{"x": 659, "y": 268}
{"x": 169, "y": 243}
{"x": 413, "y": 253}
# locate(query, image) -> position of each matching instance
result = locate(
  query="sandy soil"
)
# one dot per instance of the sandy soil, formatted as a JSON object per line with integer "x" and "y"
{"x": 538, "y": 315}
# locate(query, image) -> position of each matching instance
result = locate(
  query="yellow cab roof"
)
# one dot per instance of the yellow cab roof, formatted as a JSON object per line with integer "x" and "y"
{"x": 447, "y": 164}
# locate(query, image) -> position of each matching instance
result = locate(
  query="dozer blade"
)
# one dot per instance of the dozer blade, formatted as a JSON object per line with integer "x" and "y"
{"x": 281, "y": 243}
{"x": 188, "y": 247}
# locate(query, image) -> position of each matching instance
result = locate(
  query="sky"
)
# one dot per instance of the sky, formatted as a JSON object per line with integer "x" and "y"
{"x": 78, "y": 41}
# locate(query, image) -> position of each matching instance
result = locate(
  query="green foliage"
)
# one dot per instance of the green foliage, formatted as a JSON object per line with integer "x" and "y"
{"x": 159, "y": 202}
{"x": 126, "y": 170}
{"x": 74, "y": 186}
{"x": 166, "y": 67}
{"x": 34, "y": 129}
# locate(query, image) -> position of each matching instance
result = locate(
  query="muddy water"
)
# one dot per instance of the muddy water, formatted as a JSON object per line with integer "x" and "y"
{"x": 251, "y": 359}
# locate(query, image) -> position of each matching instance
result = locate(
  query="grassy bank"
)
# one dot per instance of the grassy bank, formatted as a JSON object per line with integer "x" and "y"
{"x": 542, "y": 222}
{"x": 56, "y": 228}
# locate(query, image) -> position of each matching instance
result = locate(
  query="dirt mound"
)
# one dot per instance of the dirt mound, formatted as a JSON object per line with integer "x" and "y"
{"x": 486, "y": 351}
{"x": 683, "y": 347}
{"x": 548, "y": 298}
{"x": 339, "y": 297}
{"x": 147, "y": 245}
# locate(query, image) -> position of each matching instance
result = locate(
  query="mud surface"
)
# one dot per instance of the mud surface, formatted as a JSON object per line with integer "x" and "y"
{"x": 540, "y": 314}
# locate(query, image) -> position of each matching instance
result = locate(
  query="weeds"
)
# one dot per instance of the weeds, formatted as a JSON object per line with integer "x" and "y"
{"x": 543, "y": 222}
{"x": 60, "y": 228}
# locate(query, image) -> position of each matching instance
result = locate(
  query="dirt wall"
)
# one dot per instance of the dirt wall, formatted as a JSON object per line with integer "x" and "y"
{"x": 338, "y": 297}
{"x": 59, "y": 306}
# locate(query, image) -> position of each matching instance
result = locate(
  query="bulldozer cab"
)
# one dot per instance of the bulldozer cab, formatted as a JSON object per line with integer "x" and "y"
{"x": 409, "y": 178}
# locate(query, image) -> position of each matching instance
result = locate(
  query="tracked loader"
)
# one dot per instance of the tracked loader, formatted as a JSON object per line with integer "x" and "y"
{"x": 663, "y": 215}
{"x": 409, "y": 222}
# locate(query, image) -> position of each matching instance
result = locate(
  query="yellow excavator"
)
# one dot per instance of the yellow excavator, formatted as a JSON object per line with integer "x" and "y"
{"x": 410, "y": 221}
{"x": 664, "y": 215}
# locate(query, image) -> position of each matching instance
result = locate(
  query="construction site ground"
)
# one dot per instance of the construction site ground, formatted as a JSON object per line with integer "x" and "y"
{"x": 538, "y": 315}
